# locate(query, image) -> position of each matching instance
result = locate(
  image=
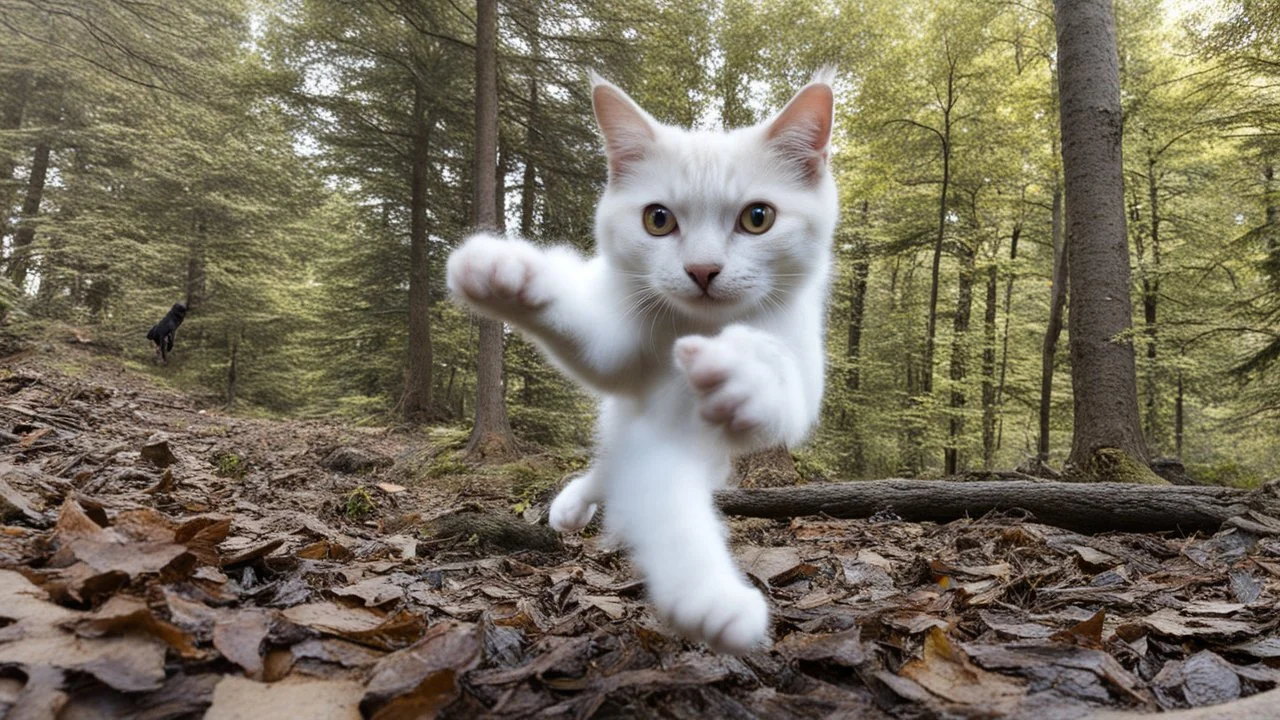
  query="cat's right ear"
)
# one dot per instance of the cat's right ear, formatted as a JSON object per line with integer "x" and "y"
{"x": 628, "y": 130}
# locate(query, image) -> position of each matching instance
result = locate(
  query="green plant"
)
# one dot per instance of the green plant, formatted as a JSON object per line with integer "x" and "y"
{"x": 229, "y": 465}
{"x": 359, "y": 504}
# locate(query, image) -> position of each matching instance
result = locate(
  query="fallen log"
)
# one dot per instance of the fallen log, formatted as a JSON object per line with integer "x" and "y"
{"x": 1082, "y": 507}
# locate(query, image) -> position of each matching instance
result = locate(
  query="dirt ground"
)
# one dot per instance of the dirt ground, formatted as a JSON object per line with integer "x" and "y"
{"x": 162, "y": 560}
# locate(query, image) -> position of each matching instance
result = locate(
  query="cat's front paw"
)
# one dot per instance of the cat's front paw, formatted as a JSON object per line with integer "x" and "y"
{"x": 499, "y": 275}
{"x": 730, "y": 617}
{"x": 574, "y": 507}
{"x": 735, "y": 388}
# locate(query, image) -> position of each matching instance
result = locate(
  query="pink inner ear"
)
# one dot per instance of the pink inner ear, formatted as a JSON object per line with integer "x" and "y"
{"x": 808, "y": 115}
{"x": 802, "y": 131}
{"x": 626, "y": 130}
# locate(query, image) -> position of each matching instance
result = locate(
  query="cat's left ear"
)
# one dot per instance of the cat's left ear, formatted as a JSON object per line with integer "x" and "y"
{"x": 801, "y": 133}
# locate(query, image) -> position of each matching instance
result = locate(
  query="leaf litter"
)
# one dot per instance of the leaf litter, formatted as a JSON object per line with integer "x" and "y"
{"x": 145, "y": 575}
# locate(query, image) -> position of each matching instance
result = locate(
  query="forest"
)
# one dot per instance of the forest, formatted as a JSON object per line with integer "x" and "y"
{"x": 1043, "y": 480}
{"x": 296, "y": 173}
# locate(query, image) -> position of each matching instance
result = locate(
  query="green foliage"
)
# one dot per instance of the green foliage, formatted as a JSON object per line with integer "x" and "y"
{"x": 258, "y": 161}
{"x": 228, "y": 464}
{"x": 359, "y": 504}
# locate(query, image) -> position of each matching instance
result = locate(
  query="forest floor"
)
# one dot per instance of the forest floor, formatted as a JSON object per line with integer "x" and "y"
{"x": 160, "y": 560}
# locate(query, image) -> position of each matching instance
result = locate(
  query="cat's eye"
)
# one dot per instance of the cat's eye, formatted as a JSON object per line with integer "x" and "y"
{"x": 756, "y": 218}
{"x": 659, "y": 221}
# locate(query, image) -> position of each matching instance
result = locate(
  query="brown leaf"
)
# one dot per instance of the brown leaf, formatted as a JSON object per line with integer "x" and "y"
{"x": 391, "y": 488}
{"x": 144, "y": 525}
{"x": 335, "y": 651}
{"x": 14, "y": 505}
{"x": 253, "y": 553}
{"x": 239, "y": 638}
{"x": 74, "y": 524}
{"x": 1087, "y": 633}
{"x": 1083, "y": 673}
{"x": 122, "y": 614}
{"x": 236, "y": 698}
{"x": 841, "y": 648}
{"x": 420, "y": 680}
{"x": 770, "y": 564}
{"x": 611, "y": 606}
{"x": 201, "y": 535}
{"x": 168, "y": 561}
{"x": 374, "y": 592}
{"x": 359, "y": 625}
{"x": 132, "y": 663}
{"x": 324, "y": 550}
{"x": 1013, "y": 627}
{"x": 29, "y": 439}
{"x": 947, "y": 672}
{"x": 1170, "y": 623}
{"x": 1094, "y": 559}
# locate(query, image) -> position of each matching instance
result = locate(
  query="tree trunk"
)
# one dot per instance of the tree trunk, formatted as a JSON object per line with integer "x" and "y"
{"x": 1177, "y": 419}
{"x": 491, "y": 435}
{"x": 959, "y": 348}
{"x": 1094, "y": 507}
{"x": 19, "y": 262}
{"x": 1004, "y": 342}
{"x": 989, "y": 371}
{"x": 1057, "y": 303}
{"x": 11, "y": 113}
{"x": 857, "y": 460}
{"x": 232, "y": 369}
{"x": 940, "y": 236}
{"x": 1104, "y": 376}
{"x": 1150, "y": 301}
{"x": 417, "y": 385}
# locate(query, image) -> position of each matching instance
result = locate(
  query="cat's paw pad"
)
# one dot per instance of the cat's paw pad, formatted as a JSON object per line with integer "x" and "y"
{"x": 733, "y": 390}
{"x": 492, "y": 271}
{"x": 731, "y": 617}
{"x": 570, "y": 511}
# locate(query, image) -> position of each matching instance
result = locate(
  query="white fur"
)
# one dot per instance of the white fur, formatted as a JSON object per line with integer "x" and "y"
{"x": 688, "y": 381}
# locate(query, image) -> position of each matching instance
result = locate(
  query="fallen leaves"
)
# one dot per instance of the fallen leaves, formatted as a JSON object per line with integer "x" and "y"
{"x": 178, "y": 593}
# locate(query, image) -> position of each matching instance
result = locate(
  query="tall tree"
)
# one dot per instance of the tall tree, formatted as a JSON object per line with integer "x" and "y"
{"x": 491, "y": 434}
{"x": 1107, "y": 440}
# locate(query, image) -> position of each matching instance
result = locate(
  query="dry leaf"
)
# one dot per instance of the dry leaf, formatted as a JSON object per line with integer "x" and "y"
{"x": 948, "y": 673}
{"x": 236, "y": 698}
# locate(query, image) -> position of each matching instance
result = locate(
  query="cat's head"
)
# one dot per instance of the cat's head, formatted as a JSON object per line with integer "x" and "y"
{"x": 718, "y": 224}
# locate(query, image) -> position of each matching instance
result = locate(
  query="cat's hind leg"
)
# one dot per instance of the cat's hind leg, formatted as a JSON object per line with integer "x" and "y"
{"x": 574, "y": 507}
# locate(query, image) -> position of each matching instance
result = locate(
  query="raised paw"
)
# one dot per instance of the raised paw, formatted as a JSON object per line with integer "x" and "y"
{"x": 735, "y": 388}
{"x": 497, "y": 275}
{"x": 574, "y": 507}
{"x": 730, "y": 617}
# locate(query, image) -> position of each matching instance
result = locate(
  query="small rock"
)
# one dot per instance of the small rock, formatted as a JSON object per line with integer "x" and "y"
{"x": 353, "y": 460}
{"x": 156, "y": 451}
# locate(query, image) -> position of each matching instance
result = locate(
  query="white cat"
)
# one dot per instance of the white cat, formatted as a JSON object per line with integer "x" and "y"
{"x": 700, "y": 321}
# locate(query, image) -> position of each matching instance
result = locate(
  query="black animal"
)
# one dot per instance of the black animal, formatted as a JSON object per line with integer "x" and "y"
{"x": 162, "y": 332}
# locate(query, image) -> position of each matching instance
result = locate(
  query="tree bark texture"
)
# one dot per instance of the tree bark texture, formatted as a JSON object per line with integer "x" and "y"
{"x": 417, "y": 387}
{"x": 19, "y": 263}
{"x": 958, "y": 369}
{"x": 989, "y": 370}
{"x": 1103, "y": 372}
{"x": 491, "y": 435}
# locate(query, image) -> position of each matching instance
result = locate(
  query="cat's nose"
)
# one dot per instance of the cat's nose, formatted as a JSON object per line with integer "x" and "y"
{"x": 702, "y": 274}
